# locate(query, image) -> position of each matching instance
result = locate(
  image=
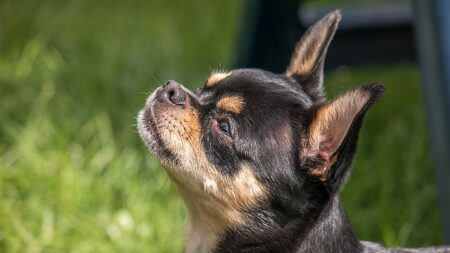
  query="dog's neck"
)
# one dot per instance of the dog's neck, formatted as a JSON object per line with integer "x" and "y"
{"x": 330, "y": 232}
{"x": 208, "y": 219}
{"x": 200, "y": 237}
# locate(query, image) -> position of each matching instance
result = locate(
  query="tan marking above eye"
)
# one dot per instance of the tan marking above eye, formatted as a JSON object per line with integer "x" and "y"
{"x": 233, "y": 104}
{"x": 215, "y": 78}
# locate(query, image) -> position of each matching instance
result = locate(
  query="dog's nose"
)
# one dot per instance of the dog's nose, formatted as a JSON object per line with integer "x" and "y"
{"x": 174, "y": 93}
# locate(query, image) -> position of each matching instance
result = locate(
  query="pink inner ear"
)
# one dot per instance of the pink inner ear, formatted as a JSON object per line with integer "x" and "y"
{"x": 326, "y": 146}
{"x": 325, "y": 150}
{"x": 332, "y": 138}
{"x": 330, "y": 127}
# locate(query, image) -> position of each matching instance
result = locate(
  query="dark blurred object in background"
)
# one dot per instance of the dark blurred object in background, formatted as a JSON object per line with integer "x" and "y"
{"x": 432, "y": 23}
{"x": 377, "y": 34}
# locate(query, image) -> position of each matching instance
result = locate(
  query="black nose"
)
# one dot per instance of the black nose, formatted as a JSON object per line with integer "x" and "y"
{"x": 174, "y": 93}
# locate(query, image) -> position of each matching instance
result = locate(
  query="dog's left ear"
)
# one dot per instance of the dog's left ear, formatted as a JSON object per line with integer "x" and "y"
{"x": 330, "y": 142}
{"x": 308, "y": 59}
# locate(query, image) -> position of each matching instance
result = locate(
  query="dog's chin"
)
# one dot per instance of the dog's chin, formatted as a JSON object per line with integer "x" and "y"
{"x": 148, "y": 131}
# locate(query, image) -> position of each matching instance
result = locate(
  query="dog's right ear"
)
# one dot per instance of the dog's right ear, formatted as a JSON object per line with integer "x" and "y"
{"x": 308, "y": 59}
{"x": 328, "y": 146}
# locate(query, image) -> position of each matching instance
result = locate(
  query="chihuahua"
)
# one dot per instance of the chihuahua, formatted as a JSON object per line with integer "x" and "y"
{"x": 260, "y": 158}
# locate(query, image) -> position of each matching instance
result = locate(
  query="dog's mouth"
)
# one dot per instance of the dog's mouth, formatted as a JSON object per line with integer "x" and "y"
{"x": 148, "y": 131}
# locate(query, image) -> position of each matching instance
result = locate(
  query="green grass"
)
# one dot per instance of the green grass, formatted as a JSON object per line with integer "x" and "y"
{"x": 74, "y": 176}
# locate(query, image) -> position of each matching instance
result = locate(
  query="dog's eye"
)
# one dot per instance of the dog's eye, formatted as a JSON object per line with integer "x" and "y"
{"x": 224, "y": 127}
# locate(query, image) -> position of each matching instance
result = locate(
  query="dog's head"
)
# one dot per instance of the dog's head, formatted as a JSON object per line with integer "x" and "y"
{"x": 251, "y": 139}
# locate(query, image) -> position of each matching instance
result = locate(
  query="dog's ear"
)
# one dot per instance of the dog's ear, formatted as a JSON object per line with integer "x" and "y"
{"x": 328, "y": 146}
{"x": 308, "y": 59}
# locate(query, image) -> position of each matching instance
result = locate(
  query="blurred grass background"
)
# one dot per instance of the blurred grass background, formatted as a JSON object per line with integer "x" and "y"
{"x": 74, "y": 176}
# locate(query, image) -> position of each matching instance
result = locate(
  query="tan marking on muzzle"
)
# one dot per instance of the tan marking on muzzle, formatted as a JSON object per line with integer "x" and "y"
{"x": 215, "y": 78}
{"x": 180, "y": 130}
{"x": 233, "y": 104}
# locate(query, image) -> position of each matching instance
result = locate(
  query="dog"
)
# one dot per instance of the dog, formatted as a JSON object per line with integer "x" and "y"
{"x": 260, "y": 158}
